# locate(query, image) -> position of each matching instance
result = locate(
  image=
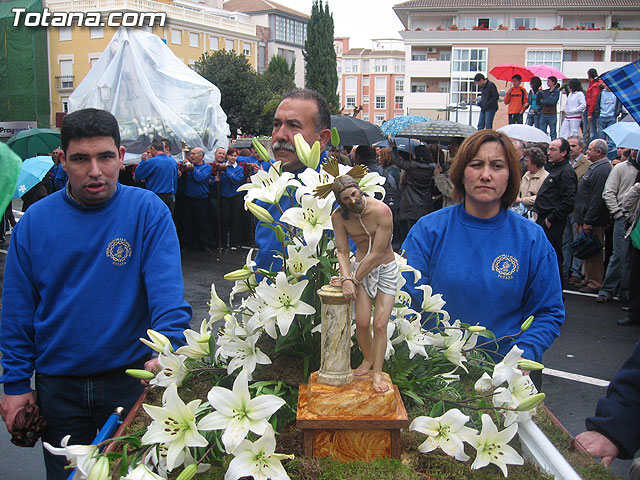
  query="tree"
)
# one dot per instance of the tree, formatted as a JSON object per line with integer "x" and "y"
{"x": 280, "y": 78}
{"x": 321, "y": 67}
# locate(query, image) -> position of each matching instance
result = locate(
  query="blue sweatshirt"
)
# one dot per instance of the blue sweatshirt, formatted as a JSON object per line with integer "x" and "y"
{"x": 116, "y": 273}
{"x": 60, "y": 179}
{"x": 160, "y": 174}
{"x": 230, "y": 180}
{"x": 196, "y": 184}
{"x": 495, "y": 272}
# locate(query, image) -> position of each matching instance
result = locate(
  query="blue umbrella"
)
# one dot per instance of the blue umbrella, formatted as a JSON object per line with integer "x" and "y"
{"x": 33, "y": 171}
{"x": 624, "y": 134}
{"x": 393, "y": 126}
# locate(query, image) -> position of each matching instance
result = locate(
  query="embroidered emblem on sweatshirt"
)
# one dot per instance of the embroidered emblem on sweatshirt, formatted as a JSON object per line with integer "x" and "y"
{"x": 505, "y": 266}
{"x": 119, "y": 251}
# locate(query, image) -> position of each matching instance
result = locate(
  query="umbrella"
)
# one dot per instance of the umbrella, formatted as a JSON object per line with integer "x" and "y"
{"x": 628, "y": 118}
{"x": 525, "y": 133}
{"x": 10, "y": 165}
{"x": 624, "y": 134}
{"x": 33, "y": 171}
{"x": 437, "y": 130}
{"x": 393, "y": 126}
{"x": 354, "y": 131}
{"x": 29, "y": 143}
{"x": 506, "y": 71}
{"x": 546, "y": 71}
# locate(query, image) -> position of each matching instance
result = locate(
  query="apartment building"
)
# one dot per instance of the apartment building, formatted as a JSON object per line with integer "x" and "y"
{"x": 447, "y": 42}
{"x": 371, "y": 80}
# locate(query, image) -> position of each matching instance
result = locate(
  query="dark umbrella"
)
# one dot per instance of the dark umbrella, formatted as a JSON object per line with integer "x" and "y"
{"x": 354, "y": 131}
{"x": 29, "y": 143}
{"x": 437, "y": 130}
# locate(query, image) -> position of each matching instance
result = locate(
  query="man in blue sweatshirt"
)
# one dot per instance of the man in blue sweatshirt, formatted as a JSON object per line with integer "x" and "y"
{"x": 160, "y": 174}
{"x": 197, "y": 228}
{"x": 75, "y": 317}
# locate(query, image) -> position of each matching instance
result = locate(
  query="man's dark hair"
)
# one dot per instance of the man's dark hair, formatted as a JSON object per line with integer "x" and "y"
{"x": 157, "y": 145}
{"x": 478, "y": 77}
{"x": 553, "y": 79}
{"x": 364, "y": 153}
{"x": 517, "y": 77}
{"x": 87, "y": 123}
{"x": 565, "y": 147}
{"x": 166, "y": 143}
{"x": 592, "y": 73}
{"x": 578, "y": 138}
{"x": 323, "y": 119}
{"x": 423, "y": 155}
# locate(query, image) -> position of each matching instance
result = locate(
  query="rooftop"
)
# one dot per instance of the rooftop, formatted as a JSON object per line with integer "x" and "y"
{"x": 517, "y": 3}
{"x": 261, "y": 6}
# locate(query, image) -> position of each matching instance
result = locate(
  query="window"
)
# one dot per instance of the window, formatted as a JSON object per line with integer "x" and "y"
{"x": 65, "y": 104}
{"x": 289, "y": 30}
{"x": 97, "y": 32}
{"x": 351, "y": 85}
{"x": 288, "y": 55}
{"x": 66, "y": 73}
{"x": 213, "y": 43}
{"x": 381, "y": 85}
{"x": 419, "y": 87}
{"x": 339, "y": 66}
{"x": 350, "y": 102}
{"x": 365, "y": 99}
{"x": 365, "y": 81}
{"x": 380, "y": 65}
{"x": 176, "y": 36}
{"x": 567, "y": 56}
{"x": 483, "y": 23}
{"x": 540, "y": 57}
{"x": 398, "y": 65}
{"x": 467, "y": 23}
{"x": 524, "y": 23}
{"x": 399, "y": 103}
{"x": 419, "y": 57}
{"x": 379, "y": 118}
{"x": 194, "y": 39}
{"x": 228, "y": 45}
{"x": 365, "y": 117}
{"x": 622, "y": 56}
{"x": 365, "y": 66}
{"x": 246, "y": 49}
{"x": 445, "y": 56}
{"x": 381, "y": 102}
{"x": 262, "y": 54}
{"x": 463, "y": 90}
{"x": 64, "y": 34}
{"x": 443, "y": 87}
{"x": 588, "y": 24}
{"x": 399, "y": 84}
{"x": 470, "y": 60}
{"x": 93, "y": 61}
{"x": 351, "y": 66}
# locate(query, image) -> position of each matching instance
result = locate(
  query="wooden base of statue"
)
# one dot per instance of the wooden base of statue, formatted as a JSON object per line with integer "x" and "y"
{"x": 350, "y": 422}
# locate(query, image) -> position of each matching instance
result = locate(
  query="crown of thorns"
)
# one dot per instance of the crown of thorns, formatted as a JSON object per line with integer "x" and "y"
{"x": 332, "y": 168}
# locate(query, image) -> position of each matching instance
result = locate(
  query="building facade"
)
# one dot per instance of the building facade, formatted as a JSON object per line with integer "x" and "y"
{"x": 447, "y": 42}
{"x": 371, "y": 80}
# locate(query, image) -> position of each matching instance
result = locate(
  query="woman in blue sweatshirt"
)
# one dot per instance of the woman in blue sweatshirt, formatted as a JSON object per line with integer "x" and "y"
{"x": 494, "y": 267}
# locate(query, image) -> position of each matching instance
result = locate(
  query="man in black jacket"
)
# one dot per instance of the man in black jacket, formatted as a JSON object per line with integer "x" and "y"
{"x": 488, "y": 101}
{"x": 554, "y": 200}
{"x": 591, "y": 213}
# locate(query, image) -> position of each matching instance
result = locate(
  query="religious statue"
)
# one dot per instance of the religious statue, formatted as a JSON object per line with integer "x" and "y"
{"x": 373, "y": 275}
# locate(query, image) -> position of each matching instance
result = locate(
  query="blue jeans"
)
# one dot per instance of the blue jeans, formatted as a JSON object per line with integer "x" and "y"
{"x": 550, "y": 121}
{"x": 604, "y": 122}
{"x": 533, "y": 119}
{"x": 616, "y": 280}
{"x": 486, "y": 119}
{"x": 79, "y": 406}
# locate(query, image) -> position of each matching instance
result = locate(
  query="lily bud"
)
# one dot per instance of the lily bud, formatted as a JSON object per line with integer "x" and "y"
{"x": 189, "y": 472}
{"x": 476, "y": 328}
{"x": 303, "y": 150}
{"x": 314, "y": 156}
{"x": 335, "y": 137}
{"x": 524, "y": 364}
{"x": 100, "y": 471}
{"x": 530, "y": 403}
{"x": 259, "y": 212}
{"x": 280, "y": 235}
{"x": 238, "y": 275}
{"x": 526, "y": 324}
{"x": 141, "y": 374}
{"x": 260, "y": 150}
{"x": 158, "y": 341}
{"x": 204, "y": 339}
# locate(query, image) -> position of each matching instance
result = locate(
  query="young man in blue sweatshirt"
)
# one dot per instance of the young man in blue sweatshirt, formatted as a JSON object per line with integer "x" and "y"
{"x": 160, "y": 174}
{"x": 75, "y": 317}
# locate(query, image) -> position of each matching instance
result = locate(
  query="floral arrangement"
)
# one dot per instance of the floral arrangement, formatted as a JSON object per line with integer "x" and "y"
{"x": 453, "y": 27}
{"x": 240, "y": 417}
{"x": 559, "y": 27}
{"x": 502, "y": 27}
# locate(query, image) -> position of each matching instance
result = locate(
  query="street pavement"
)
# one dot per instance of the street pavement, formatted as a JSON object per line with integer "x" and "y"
{"x": 591, "y": 345}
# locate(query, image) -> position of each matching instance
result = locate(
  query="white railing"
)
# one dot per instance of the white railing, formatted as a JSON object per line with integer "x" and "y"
{"x": 426, "y": 100}
{"x": 579, "y": 69}
{"x": 428, "y": 68}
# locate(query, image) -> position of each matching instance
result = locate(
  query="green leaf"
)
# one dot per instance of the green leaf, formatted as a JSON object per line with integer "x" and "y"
{"x": 414, "y": 396}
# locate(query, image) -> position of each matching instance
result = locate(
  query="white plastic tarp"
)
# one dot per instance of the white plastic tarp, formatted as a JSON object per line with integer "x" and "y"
{"x": 153, "y": 94}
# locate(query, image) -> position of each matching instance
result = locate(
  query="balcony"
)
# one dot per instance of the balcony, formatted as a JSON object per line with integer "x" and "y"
{"x": 426, "y": 100}
{"x": 64, "y": 83}
{"x": 579, "y": 69}
{"x": 428, "y": 68}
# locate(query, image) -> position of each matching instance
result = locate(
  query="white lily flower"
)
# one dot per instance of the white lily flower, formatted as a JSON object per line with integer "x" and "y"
{"x": 520, "y": 389}
{"x": 197, "y": 342}
{"x": 484, "y": 383}
{"x": 227, "y": 335}
{"x": 100, "y": 471}
{"x": 372, "y": 183}
{"x": 414, "y": 335}
{"x": 252, "y": 318}
{"x": 242, "y": 286}
{"x": 258, "y": 460}
{"x": 431, "y": 303}
{"x": 283, "y": 301}
{"x": 245, "y": 354}
{"x": 173, "y": 425}
{"x": 453, "y": 344}
{"x": 217, "y": 308}
{"x": 310, "y": 179}
{"x": 403, "y": 266}
{"x": 81, "y": 457}
{"x": 173, "y": 369}
{"x": 491, "y": 446}
{"x": 446, "y": 432}
{"x": 267, "y": 186}
{"x": 313, "y": 218}
{"x": 391, "y": 327}
{"x": 237, "y": 413}
{"x": 300, "y": 258}
{"x": 508, "y": 367}
{"x": 141, "y": 472}
{"x": 158, "y": 341}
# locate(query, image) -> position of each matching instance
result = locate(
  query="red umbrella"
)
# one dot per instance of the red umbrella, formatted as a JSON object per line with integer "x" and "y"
{"x": 506, "y": 71}
{"x": 546, "y": 71}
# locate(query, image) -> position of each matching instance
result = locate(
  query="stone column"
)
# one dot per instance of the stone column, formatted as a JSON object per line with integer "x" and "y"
{"x": 335, "y": 361}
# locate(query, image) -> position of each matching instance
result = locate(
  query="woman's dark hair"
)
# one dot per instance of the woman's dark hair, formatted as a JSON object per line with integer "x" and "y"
{"x": 468, "y": 151}
{"x": 535, "y": 83}
{"x": 536, "y": 156}
{"x": 575, "y": 85}
{"x": 553, "y": 79}
{"x": 232, "y": 150}
{"x": 384, "y": 157}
